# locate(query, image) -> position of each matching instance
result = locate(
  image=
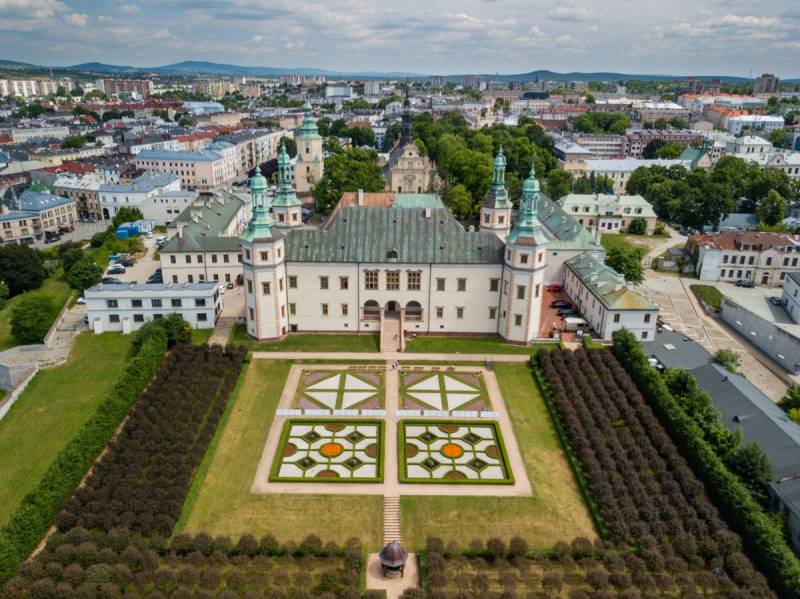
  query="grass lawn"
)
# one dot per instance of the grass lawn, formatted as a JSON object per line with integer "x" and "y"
{"x": 220, "y": 502}
{"x": 556, "y": 510}
{"x": 709, "y": 294}
{"x": 201, "y": 336}
{"x": 55, "y": 287}
{"x": 463, "y": 345}
{"x": 51, "y": 411}
{"x": 310, "y": 342}
{"x": 610, "y": 240}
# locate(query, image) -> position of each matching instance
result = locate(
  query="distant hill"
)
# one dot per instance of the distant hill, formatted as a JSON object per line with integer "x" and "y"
{"x": 546, "y": 75}
{"x": 99, "y": 67}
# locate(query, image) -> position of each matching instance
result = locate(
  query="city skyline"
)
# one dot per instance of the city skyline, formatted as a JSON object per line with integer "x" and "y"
{"x": 712, "y": 37}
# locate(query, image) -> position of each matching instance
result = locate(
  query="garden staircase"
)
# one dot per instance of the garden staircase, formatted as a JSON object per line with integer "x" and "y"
{"x": 391, "y": 333}
{"x": 391, "y": 519}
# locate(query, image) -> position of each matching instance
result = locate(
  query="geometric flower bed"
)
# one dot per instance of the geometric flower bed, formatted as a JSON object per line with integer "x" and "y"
{"x": 321, "y": 389}
{"x": 442, "y": 391}
{"x": 329, "y": 451}
{"x": 455, "y": 452}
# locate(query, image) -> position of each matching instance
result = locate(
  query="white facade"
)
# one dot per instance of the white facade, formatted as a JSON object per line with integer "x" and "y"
{"x": 791, "y": 301}
{"x": 122, "y": 307}
{"x": 762, "y": 122}
{"x": 139, "y": 194}
{"x": 619, "y": 171}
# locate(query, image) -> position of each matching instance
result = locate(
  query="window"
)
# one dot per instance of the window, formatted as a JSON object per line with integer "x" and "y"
{"x": 175, "y": 303}
{"x": 487, "y": 217}
{"x": 324, "y": 309}
{"x": 265, "y": 288}
{"x": 138, "y": 318}
{"x": 616, "y": 318}
{"x": 200, "y": 303}
{"x": 644, "y": 334}
{"x": 293, "y": 282}
{"x": 247, "y": 254}
{"x": 292, "y": 309}
{"x": 769, "y": 261}
{"x": 226, "y": 258}
{"x": 323, "y": 282}
{"x": 460, "y": 312}
{"x": 440, "y": 284}
{"x": 494, "y": 284}
{"x": 501, "y": 219}
{"x": 280, "y": 284}
{"x": 520, "y": 291}
{"x": 213, "y": 258}
{"x": 200, "y": 258}
{"x": 518, "y": 320}
{"x": 647, "y": 317}
{"x": 371, "y": 279}
{"x": 190, "y": 278}
{"x": 751, "y": 259}
{"x": 393, "y": 279}
{"x": 265, "y": 256}
{"x": 344, "y": 283}
{"x": 188, "y": 258}
{"x": 523, "y": 258}
{"x": 414, "y": 280}
{"x": 344, "y": 310}
{"x": 172, "y": 259}
{"x": 462, "y": 284}
{"x": 492, "y": 313}
{"x": 786, "y": 261}
{"x": 439, "y": 312}
{"x": 202, "y": 317}
{"x": 113, "y": 318}
{"x": 249, "y": 286}
{"x": 158, "y": 316}
{"x": 111, "y": 303}
{"x": 156, "y": 303}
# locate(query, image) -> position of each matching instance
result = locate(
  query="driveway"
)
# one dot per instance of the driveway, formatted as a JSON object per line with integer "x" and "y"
{"x": 680, "y": 309}
{"x": 144, "y": 266}
{"x": 82, "y": 232}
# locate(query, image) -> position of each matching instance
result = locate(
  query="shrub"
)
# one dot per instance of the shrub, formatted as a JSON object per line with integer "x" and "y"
{"x": 84, "y": 273}
{"x": 21, "y": 268}
{"x": 638, "y": 226}
{"x": 31, "y": 318}
{"x": 728, "y": 359}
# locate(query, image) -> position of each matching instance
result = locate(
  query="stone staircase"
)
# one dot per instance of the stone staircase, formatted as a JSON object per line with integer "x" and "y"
{"x": 391, "y": 519}
{"x": 391, "y": 334}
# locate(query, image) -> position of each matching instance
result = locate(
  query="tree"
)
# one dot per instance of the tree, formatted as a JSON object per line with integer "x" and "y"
{"x": 21, "y": 268}
{"x": 127, "y": 215}
{"x": 670, "y": 150}
{"x": 638, "y": 226}
{"x": 361, "y": 136}
{"x": 347, "y": 170}
{"x": 459, "y": 200}
{"x": 627, "y": 260}
{"x": 652, "y": 147}
{"x": 559, "y": 183}
{"x": 751, "y": 465}
{"x": 324, "y": 126}
{"x": 73, "y": 142}
{"x": 290, "y": 144}
{"x": 728, "y": 359}
{"x": 31, "y": 317}
{"x": 772, "y": 208}
{"x": 84, "y": 273}
{"x": 778, "y": 137}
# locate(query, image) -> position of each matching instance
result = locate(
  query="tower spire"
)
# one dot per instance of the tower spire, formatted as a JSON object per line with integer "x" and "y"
{"x": 261, "y": 223}
{"x": 528, "y": 224}
{"x": 285, "y": 196}
{"x": 498, "y": 193}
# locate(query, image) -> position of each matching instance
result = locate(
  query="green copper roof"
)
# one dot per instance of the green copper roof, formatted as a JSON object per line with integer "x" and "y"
{"x": 528, "y": 227}
{"x": 417, "y": 200}
{"x": 607, "y": 284}
{"x": 309, "y": 126}
{"x": 498, "y": 194}
{"x": 285, "y": 196}
{"x": 261, "y": 224}
{"x": 387, "y": 235}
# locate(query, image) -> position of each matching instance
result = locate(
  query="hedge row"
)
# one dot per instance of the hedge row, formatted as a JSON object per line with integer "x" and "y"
{"x": 39, "y": 508}
{"x": 762, "y": 537}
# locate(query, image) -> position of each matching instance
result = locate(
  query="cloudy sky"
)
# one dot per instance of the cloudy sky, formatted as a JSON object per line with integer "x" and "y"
{"x": 732, "y": 37}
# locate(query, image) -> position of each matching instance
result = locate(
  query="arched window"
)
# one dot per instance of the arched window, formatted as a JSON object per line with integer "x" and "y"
{"x": 391, "y": 254}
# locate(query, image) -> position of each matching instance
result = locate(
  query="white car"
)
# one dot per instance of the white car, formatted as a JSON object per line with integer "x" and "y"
{"x": 222, "y": 289}
{"x": 149, "y": 234}
{"x": 80, "y": 300}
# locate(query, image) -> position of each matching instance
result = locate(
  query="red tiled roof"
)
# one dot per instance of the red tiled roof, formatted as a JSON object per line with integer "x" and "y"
{"x": 733, "y": 240}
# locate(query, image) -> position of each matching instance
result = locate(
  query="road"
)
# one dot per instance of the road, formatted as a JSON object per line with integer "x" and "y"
{"x": 82, "y": 232}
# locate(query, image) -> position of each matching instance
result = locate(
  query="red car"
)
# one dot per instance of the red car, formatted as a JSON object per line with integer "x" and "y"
{"x": 554, "y": 287}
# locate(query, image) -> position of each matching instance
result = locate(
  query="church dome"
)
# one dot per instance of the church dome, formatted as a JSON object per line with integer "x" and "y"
{"x": 531, "y": 184}
{"x": 258, "y": 182}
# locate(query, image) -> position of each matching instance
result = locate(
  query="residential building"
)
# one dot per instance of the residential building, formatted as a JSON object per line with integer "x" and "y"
{"x": 126, "y": 307}
{"x": 309, "y": 164}
{"x": 601, "y": 145}
{"x": 764, "y": 258}
{"x": 372, "y": 88}
{"x": 609, "y": 213}
{"x": 144, "y": 88}
{"x": 250, "y": 90}
{"x": 572, "y": 157}
{"x": 606, "y": 301}
{"x": 437, "y": 81}
{"x": 202, "y": 170}
{"x": 36, "y": 216}
{"x": 407, "y": 170}
{"x": 650, "y": 112}
{"x": 766, "y": 84}
{"x": 338, "y": 91}
{"x": 83, "y": 190}
{"x": 619, "y": 171}
{"x": 203, "y": 107}
{"x": 31, "y": 88}
{"x": 24, "y": 135}
{"x": 254, "y": 147}
{"x": 748, "y": 144}
{"x": 141, "y": 194}
{"x": 636, "y": 141}
{"x": 759, "y": 122}
{"x": 212, "y": 88}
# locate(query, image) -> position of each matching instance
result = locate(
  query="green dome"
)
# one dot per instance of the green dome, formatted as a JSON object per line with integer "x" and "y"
{"x": 258, "y": 182}
{"x": 531, "y": 184}
{"x": 500, "y": 159}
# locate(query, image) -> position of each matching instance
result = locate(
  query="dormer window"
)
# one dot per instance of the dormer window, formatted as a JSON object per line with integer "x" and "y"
{"x": 391, "y": 255}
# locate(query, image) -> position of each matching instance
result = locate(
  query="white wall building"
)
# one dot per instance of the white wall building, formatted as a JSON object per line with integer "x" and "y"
{"x": 609, "y": 213}
{"x": 140, "y": 194}
{"x": 761, "y": 122}
{"x": 123, "y": 307}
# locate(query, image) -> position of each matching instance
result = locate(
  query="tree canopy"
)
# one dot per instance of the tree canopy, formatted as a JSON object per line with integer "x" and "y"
{"x": 127, "y": 215}
{"x": 31, "y": 317}
{"x": 347, "y": 170}
{"x": 602, "y": 122}
{"x": 21, "y": 268}
{"x": 627, "y": 260}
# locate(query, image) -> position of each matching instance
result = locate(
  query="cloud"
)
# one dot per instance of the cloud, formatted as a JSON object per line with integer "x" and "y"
{"x": 77, "y": 19}
{"x": 571, "y": 13}
{"x": 129, "y": 9}
{"x": 36, "y": 9}
{"x": 727, "y": 25}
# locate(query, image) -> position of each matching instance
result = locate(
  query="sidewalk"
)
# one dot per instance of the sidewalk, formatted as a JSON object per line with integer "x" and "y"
{"x": 396, "y": 356}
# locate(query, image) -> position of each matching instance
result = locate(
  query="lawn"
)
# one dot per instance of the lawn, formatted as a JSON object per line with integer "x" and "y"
{"x": 463, "y": 345}
{"x": 51, "y": 411}
{"x": 554, "y": 513}
{"x": 220, "y": 502}
{"x": 55, "y": 287}
{"x": 610, "y": 240}
{"x": 309, "y": 342}
{"x": 201, "y": 336}
{"x": 708, "y": 294}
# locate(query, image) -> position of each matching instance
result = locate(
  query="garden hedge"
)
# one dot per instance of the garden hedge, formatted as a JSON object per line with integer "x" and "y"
{"x": 761, "y": 535}
{"x": 39, "y": 508}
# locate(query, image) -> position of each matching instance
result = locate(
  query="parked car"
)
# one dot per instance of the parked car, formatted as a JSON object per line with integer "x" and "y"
{"x": 80, "y": 300}
{"x": 573, "y": 323}
{"x": 775, "y": 301}
{"x": 554, "y": 287}
{"x": 109, "y": 280}
{"x": 566, "y": 313}
{"x": 52, "y": 239}
{"x": 116, "y": 269}
{"x": 149, "y": 234}
{"x": 126, "y": 262}
{"x": 561, "y": 304}
{"x": 745, "y": 283}
{"x": 222, "y": 289}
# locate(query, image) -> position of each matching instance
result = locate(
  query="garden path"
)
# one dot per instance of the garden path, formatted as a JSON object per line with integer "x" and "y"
{"x": 390, "y": 356}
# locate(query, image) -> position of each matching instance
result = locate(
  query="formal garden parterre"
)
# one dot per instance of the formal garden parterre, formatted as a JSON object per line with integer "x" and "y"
{"x": 452, "y": 451}
{"x": 329, "y": 451}
{"x": 424, "y": 389}
{"x": 347, "y": 389}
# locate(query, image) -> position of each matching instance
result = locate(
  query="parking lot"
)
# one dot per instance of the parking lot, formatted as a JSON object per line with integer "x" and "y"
{"x": 550, "y": 320}
{"x": 82, "y": 232}
{"x": 143, "y": 267}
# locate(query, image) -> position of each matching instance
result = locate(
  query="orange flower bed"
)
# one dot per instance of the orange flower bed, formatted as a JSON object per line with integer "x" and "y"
{"x": 452, "y": 451}
{"x": 331, "y": 450}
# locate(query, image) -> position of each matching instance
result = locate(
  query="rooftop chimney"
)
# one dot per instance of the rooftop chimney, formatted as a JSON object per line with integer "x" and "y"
{"x": 360, "y": 197}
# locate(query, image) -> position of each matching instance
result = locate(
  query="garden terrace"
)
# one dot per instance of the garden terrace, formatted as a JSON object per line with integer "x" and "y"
{"x": 642, "y": 485}
{"x": 142, "y": 480}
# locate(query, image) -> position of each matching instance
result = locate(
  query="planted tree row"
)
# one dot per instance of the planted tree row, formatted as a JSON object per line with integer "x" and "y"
{"x": 644, "y": 487}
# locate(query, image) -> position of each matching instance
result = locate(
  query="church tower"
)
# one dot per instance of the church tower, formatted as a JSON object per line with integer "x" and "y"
{"x": 523, "y": 275}
{"x": 310, "y": 163}
{"x": 286, "y": 207}
{"x": 263, "y": 263}
{"x": 496, "y": 208}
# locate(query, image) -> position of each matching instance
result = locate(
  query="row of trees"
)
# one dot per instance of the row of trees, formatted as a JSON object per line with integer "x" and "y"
{"x": 641, "y": 483}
